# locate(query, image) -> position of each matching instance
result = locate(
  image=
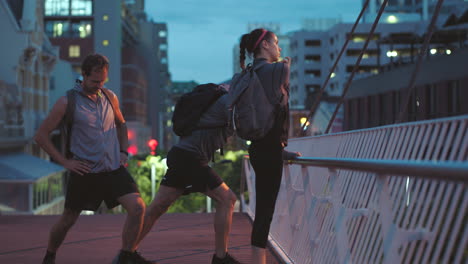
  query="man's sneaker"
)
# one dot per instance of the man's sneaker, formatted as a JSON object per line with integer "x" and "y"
{"x": 228, "y": 259}
{"x": 49, "y": 258}
{"x": 126, "y": 257}
{"x": 140, "y": 259}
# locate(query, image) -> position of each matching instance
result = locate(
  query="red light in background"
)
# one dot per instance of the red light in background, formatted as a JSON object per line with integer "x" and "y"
{"x": 130, "y": 134}
{"x": 152, "y": 144}
{"x": 132, "y": 149}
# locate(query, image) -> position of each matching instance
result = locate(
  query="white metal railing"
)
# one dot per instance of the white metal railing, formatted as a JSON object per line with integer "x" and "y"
{"x": 393, "y": 194}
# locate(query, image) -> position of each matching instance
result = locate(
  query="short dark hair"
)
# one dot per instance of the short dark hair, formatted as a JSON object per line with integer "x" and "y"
{"x": 94, "y": 62}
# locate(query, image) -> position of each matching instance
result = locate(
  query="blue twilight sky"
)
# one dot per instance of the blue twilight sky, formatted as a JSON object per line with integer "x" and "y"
{"x": 202, "y": 33}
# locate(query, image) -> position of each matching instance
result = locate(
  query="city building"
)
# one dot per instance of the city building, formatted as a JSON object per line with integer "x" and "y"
{"x": 28, "y": 184}
{"x": 398, "y": 11}
{"x": 82, "y": 27}
{"x": 154, "y": 37}
{"x": 439, "y": 91}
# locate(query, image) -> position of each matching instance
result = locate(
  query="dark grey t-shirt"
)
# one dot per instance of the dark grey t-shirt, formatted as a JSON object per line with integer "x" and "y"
{"x": 205, "y": 142}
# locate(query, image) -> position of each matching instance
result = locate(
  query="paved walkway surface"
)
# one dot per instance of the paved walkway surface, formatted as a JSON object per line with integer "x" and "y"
{"x": 176, "y": 238}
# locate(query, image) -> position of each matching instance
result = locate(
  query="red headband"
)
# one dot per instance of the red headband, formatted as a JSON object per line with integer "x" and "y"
{"x": 260, "y": 38}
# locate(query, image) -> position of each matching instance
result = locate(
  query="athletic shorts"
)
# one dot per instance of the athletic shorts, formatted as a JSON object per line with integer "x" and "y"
{"x": 187, "y": 171}
{"x": 86, "y": 192}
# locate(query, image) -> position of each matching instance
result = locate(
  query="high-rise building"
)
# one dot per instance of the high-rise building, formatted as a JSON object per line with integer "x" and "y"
{"x": 121, "y": 31}
{"x": 398, "y": 11}
{"x": 82, "y": 27}
{"x": 315, "y": 52}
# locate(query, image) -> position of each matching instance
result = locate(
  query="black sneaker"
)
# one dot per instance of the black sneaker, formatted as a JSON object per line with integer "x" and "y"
{"x": 228, "y": 259}
{"x": 126, "y": 257}
{"x": 140, "y": 259}
{"x": 49, "y": 259}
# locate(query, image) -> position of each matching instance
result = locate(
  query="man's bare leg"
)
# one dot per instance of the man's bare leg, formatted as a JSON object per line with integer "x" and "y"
{"x": 225, "y": 199}
{"x": 161, "y": 203}
{"x": 135, "y": 207}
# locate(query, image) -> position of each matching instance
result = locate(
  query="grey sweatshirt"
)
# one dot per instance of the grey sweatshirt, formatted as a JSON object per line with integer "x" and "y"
{"x": 205, "y": 142}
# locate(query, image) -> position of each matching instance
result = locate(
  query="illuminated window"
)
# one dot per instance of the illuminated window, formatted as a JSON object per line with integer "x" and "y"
{"x": 163, "y": 47}
{"x": 81, "y": 29}
{"x": 359, "y": 37}
{"x": 162, "y": 34}
{"x": 105, "y": 42}
{"x": 82, "y": 7}
{"x": 74, "y": 51}
{"x": 68, "y": 7}
{"x": 57, "y": 28}
{"x": 57, "y": 7}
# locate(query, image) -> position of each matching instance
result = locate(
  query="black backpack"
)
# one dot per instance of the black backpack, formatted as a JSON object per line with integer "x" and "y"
{"x": 191, "y": 106}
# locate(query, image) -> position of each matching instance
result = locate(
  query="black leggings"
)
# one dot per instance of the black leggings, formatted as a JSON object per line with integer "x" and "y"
{"x": 268, "y": 166}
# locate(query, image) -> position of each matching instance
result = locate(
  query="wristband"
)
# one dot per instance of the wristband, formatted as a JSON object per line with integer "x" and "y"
{"x": 123, "y": 151}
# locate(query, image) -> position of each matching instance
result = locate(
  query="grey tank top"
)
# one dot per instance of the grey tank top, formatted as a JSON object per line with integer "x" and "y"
{"x": 94, "y": 133}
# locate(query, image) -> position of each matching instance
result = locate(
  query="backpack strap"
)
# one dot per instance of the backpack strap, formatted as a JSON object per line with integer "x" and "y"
{"x": 67, "y": 122}
{"x": 112, "y": 98}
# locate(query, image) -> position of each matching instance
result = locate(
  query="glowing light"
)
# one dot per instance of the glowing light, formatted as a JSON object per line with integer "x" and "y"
{"x": 331, "y": 76}
{"x": 433, "y": 51}
{"x": 132, "y": 149}
{"x": 448, "y": 52}
{"x": 130, "y": 134}
{"x": 392, "y": 19}
{"x": 303, "y": 120}
{"x": 248, "y": 142}
{"x": 105, "y": 42}
{"x": 392, "y": 53}
{"x": 105, "y": 17}
{"x": 152, "y": 144}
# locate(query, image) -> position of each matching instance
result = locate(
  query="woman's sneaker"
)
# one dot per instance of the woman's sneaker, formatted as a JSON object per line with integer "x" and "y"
{"x": 228, "y": 259}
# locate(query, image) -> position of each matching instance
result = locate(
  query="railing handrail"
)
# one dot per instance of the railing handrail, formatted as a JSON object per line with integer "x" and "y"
{"x": 441, "y": 170}
{"x": 385, "y": 127}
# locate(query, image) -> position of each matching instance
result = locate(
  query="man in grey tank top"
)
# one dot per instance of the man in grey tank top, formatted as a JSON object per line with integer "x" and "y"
{"x": 98, "y": 144}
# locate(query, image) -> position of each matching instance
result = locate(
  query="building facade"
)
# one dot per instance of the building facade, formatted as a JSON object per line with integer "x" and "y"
{"x": 440, "y": 87}
{"x": 28, "y": 59}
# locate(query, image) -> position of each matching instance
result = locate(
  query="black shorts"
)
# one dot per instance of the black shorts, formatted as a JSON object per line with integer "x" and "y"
{"x": 86, "y": 192}
{"x": 187, "y": 171}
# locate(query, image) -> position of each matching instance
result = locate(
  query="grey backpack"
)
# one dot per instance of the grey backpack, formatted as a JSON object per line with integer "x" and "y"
{"x": 252, "y": 112}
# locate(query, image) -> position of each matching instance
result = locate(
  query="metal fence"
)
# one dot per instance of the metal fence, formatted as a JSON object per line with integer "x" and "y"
{"x": 393, "y": 194}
